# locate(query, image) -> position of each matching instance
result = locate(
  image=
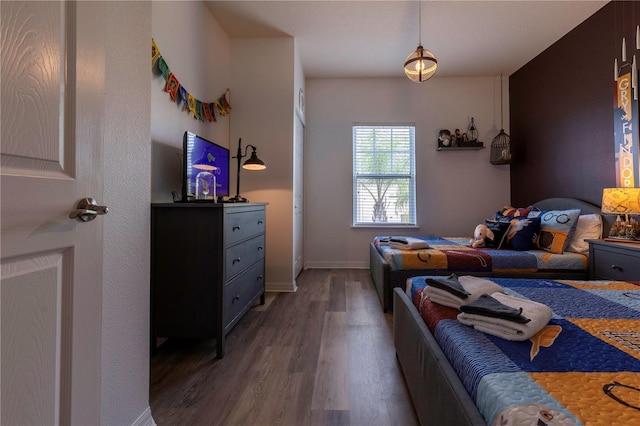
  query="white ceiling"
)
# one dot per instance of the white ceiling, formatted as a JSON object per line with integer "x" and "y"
{"x": 342, "y": 39}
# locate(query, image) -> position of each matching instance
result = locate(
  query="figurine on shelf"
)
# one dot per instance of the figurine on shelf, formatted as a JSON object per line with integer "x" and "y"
{"x": 457, "y": 138}
{"x": 444, "y": 138}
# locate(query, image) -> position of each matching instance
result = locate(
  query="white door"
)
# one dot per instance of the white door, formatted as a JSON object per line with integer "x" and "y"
{"x": 52, "y": 78}
{"x": 298, "y": 197}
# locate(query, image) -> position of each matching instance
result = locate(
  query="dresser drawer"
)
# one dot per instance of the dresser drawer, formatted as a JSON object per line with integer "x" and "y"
{"x": 240, "y": 292}
{"x": 243, "y": 224}
{"x": 241, "y": 256}
{"x": 616, "y": 266}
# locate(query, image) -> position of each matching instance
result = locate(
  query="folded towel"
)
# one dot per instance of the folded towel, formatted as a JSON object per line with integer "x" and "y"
{"x": 473, "y": 285}
{"x": 538, "y": 313}
{"x": 405, "y": 243}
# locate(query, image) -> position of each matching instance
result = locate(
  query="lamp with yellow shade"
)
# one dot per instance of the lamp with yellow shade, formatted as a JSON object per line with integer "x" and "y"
{"x": 622, "y": 201}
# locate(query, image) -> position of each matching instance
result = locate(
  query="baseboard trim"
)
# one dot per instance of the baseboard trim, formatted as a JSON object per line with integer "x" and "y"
{"x": 145, "y": 419}
{"x": 281, "y": 287}
{"x": 336, "y": 265}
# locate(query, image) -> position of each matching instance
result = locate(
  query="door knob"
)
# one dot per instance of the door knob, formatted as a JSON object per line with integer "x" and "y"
{"x": 87, "y": 209}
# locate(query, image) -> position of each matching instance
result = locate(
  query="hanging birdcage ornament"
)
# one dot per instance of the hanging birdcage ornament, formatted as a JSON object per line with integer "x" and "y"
{"x": 501, "y": 144}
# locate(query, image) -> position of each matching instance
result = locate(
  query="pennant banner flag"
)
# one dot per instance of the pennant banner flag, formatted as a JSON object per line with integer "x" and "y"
{"x": 203, "y": 111}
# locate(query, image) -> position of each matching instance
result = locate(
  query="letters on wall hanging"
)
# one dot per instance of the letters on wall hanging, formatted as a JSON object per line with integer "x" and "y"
{"x": 626, "y": 119}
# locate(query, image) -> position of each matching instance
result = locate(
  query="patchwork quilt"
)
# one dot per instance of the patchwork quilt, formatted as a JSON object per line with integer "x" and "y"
{"x": 455, "y": 254}
{"x": 583, "y": 368}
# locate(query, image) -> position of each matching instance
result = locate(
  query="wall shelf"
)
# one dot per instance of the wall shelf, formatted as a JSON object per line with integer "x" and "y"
{"x": 459, "y": 148}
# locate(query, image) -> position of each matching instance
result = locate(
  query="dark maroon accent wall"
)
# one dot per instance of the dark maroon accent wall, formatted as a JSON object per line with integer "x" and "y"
{"x": 561, "y": 110}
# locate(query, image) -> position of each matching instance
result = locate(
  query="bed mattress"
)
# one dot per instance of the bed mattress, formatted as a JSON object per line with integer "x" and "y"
{"x": 582, "y": 368}
{"x": 455, "y": 254}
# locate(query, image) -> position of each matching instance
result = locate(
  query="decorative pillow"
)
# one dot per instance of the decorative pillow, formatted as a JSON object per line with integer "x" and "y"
{"x": 507, "y": 213}
{"x": 535, "y": 212}
{"x": 556, "y": 229}
{"x": 589, "y": 227}
{"x": 512, "y": 212}
{"x": 523, "y": 233}
{"x": 499, "y": 230}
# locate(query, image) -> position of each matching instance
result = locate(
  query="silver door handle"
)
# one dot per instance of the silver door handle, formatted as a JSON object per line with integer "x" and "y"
{"x": 87, "y": 210}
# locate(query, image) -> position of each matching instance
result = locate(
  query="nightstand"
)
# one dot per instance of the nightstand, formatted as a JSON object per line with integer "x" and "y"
{"x": 614, "y": 261}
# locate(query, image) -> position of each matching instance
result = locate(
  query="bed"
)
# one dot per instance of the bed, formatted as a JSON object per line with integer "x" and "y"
{"x": 456, "y": 256}
{"x": 586, "y": 372}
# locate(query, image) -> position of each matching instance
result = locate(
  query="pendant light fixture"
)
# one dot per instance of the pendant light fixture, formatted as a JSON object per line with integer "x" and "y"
{"x": 501, "y": 144}
{"x": 421, "y": 64}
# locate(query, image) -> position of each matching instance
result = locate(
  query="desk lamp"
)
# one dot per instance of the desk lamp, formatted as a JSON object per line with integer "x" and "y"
{"x": 622, "y": 201}
{"x": 253, "y": 163}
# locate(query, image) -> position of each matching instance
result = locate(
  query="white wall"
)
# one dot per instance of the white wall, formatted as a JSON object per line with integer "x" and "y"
{"x": 298, "y": 82}
{"x": 262, "y": 75}
{"x": 197, "y": 51}
{"x": 455, "y": 190}
{"x": 127, "y": 148}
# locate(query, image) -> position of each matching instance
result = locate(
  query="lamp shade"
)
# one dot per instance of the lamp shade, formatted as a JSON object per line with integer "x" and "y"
{"x": 621, "y": 201}
{"x": 254, "y": 163}
{"x": 420, "y": 65}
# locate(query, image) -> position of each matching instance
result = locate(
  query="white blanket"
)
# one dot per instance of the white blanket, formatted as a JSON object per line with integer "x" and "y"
{"x": 474, "y": 285}
{"x": 538, "y": 313}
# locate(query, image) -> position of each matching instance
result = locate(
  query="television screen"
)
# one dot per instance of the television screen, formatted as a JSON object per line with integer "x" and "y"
{"x": 205, "y": 173}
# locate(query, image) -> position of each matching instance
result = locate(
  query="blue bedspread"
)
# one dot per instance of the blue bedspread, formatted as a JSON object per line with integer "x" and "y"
{"x": 582, "y": 368}
{"x": 455, "y": 254}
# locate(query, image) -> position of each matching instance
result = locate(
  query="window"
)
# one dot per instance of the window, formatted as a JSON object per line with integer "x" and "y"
{"x": 384, "y": 177}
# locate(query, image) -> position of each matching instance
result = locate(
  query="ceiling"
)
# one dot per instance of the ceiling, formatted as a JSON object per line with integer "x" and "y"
{"x": 347, "y": 39}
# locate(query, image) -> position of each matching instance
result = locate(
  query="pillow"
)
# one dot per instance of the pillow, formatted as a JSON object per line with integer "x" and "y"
{"x": 589, "y": 227}
{"x": 523, "y": 233}
{"x": 499, "y": 230}
{"x": 512, "y": 212}
{"x": 556, "y": 229}
{"x": 507, "y": 213}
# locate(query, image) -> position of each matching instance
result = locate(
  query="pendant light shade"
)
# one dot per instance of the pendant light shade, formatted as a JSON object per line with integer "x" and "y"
{"x": 421, "y": 64}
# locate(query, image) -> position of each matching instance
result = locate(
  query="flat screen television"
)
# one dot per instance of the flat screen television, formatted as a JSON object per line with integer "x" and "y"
{"x": 205, "y": 169}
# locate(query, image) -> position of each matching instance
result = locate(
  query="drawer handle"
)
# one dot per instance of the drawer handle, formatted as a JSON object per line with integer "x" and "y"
{"x": 617, "y": 268}
{"x": 235, "y": 299}
{"x": 259, "y": 278}
{"x": 236, "y": 228}
{"x": 236, "y": 260}
{"x": 260, "y": 248}
{"x": 260, "y": 222}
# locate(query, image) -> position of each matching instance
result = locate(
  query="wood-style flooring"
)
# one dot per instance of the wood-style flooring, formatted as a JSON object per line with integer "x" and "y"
{"x": 323, "y": 355}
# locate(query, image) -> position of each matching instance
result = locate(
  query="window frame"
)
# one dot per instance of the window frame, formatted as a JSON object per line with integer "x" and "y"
{"x": 357, "y": 152}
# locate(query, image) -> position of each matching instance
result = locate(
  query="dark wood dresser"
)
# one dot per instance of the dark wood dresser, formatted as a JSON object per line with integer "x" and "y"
{"x": 614, "y": 261}
{"x": 207, "y": 268}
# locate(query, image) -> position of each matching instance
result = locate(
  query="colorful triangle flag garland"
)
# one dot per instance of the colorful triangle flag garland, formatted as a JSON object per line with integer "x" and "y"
{"x": 155, "y": 53}
{"x": 191, "y": 101}
{"x": 172, "y": 86}
{"x": 183, "y": 98}
{"x": 222, "y": 105}
{"x": 204, "y": 111}
{"x": 163, "y": 67}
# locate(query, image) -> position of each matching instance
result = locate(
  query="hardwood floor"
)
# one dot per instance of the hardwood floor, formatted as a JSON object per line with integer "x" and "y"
{"x": 321, "y": 356}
